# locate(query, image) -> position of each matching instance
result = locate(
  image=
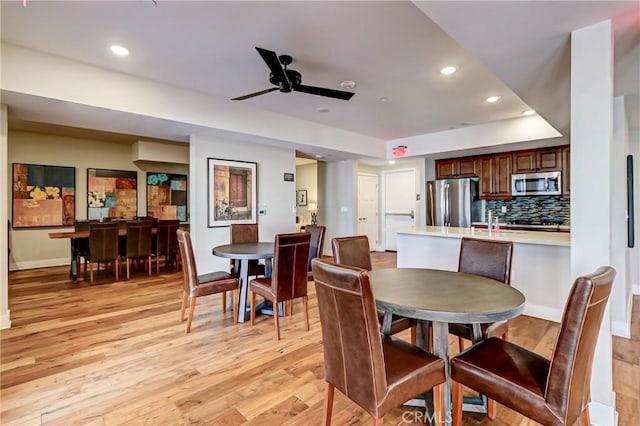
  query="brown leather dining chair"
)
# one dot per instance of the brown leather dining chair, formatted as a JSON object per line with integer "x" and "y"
{"x": 137, "y": 244}
{"x": 81, "y": 245}
{"x": 552, "y": 391}
{"x": 316, "y": 245}
{"x": 195, "y": 285}
{"x": 355, "y": 251}
{"x": 491, "y": 259}
{"x": 103, "y": 246}
{"x": 245, "y": 233}
{"x": 288, "y": 278}
{"x": 166, "y": 242}
{"x": 377, "y": 372}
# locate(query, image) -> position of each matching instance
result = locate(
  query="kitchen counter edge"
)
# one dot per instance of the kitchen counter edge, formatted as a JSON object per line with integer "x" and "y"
{"x": 523, "y": 237}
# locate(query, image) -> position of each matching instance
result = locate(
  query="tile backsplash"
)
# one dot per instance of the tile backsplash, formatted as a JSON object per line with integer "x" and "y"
{"x": 539, "y": 208}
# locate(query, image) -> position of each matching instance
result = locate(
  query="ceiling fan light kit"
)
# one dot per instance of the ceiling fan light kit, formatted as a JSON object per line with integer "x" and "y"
{"x": 287, "y": 80}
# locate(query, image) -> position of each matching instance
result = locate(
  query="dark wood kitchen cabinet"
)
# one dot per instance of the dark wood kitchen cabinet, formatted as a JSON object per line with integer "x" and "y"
{"x": 456, "y": 167}
{"x": 538, "y": 160}
{"x": 566, "y": 172}
{"x": 495, "y": 176}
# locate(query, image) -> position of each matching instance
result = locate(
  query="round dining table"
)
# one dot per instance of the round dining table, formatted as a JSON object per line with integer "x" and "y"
{"x": 443, "y": 297}
{"x": 244, "y": 252}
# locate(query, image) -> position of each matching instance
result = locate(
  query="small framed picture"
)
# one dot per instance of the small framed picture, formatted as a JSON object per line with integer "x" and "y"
{"x": 302, "y": 197}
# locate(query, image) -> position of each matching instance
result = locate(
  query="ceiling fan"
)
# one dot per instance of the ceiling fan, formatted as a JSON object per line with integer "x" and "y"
{"x": 288, "y": 80}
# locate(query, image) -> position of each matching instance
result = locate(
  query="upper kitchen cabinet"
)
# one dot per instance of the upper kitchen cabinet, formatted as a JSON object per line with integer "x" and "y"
{"x": 566, "y": 172}
{"x": 539, "y": 160}
{"x": 457, "y": 167}
{"x": 495, "y": 176}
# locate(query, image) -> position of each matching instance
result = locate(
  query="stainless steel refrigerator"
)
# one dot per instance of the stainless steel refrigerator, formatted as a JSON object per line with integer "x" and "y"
{"x": 452, "y": 202}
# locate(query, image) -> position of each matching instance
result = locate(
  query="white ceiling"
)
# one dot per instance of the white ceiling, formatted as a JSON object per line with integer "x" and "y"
{"x": 393, "y": 50}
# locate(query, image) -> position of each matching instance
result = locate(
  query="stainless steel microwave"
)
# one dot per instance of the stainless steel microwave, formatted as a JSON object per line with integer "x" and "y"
{"x": 548, "y": 183}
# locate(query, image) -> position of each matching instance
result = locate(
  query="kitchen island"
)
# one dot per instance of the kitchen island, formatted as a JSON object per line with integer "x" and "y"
{"x": 541, "y": 263}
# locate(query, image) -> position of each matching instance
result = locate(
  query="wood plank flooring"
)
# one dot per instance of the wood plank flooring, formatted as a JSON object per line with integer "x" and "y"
{"x": 115, "y": 353}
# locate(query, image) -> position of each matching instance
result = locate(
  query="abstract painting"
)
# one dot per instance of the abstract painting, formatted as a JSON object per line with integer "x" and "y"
{"x": 112, "y": 193}
{"x": 43, "y": 195}
{"x": 167, "y": 189}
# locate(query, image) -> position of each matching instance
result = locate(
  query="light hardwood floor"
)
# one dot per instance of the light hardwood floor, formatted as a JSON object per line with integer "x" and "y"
{"x": 115, "y": 353}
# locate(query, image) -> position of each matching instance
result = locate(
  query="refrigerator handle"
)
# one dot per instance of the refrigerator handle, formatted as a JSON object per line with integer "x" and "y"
{"x": 447, "y": 207}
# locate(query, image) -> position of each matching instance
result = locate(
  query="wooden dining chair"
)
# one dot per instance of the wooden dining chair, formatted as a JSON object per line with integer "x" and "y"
{"x": 379, "y": 373}
{"x": 195, "y": 285}
{"x": 103, "y": 246}
{"x": 355, "y": 251}
{"x": 288, "y": 278}
{"x": 166, "y": 242}
{"x": 552, "y": 391}
{"x": 137, "y": 244}
{"x": 81, "y": 245}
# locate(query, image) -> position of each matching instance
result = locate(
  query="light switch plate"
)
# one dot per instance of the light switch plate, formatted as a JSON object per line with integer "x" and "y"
{"x": 503, "y": 209}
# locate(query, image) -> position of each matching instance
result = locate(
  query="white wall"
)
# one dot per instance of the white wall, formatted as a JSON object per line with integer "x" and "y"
{"x": 5, "y": 321}
{"x": 633, "y": 254}
{"x": 340, "y": 200}
{"x": 276, "y": 195}
{"x": 591, "y": 186}
{"x": 307, "y": 179}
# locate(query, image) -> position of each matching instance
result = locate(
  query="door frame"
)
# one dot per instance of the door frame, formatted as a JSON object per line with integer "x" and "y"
{"x": 378, "y": 246}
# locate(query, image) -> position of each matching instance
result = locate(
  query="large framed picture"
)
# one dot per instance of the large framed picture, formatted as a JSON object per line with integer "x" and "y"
{"x": 167, "y": 195}
{"x": 43, "y": 196}
{"x": 112, "y": 193}
{"x": 231, "y": 192}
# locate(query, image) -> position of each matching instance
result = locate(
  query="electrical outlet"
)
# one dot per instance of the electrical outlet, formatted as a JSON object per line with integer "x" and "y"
{"x": 503, "y": 209}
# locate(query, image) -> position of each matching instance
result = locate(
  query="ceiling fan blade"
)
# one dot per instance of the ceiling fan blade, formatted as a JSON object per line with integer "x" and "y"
{"x": 274, "y": 64}
{"x": 321, "y": 91}
{"x": 251, "y": 95}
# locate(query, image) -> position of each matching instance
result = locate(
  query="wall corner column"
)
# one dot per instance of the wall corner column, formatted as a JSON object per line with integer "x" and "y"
{"x": 5, "y": 318}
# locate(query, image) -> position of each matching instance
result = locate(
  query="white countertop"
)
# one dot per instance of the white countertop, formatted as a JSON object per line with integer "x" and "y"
{"x": 517, "y": 236}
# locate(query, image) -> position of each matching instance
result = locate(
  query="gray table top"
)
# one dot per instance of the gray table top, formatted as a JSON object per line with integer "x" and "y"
{"x": 446, "y": 296}
{"x": 245, "y": 251}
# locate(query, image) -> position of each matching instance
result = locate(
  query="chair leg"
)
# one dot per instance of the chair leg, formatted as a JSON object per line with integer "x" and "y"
{"x": 328, "y": 404}
{"x": 492, "y": 409}
{"x": 276, "y": 319}
{"x": 414, "y": 335}
{"x": 91, "y": 272}
{"x": 149, "y": 265}
{"x": 224, "y": 301}
{"x": 185, "y": 296}
{"x": 584, "y": 419}
{"x": 460, "y": 344}
{"x": 305, "y": 303}
{"x": 192, "y": 308}
{"x": 456, "y": 403}
{"x": 291, "y": 307}
{"x": 253, "y": 308}
{"x": 236, "y": 295}
{"x": 128, "y": 264}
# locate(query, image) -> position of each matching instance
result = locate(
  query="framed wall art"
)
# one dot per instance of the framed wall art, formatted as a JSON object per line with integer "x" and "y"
{"x": 301, "y": 196}
{"x": 43, "y": 196}
{"x": 112, "y": 193}
{"x": 166, "y": 190}
{"x": 231, "y": 192}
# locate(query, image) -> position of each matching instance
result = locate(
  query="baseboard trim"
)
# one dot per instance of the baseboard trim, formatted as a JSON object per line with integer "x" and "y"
{"x": 5, "y": 320}
{"x": 33, "y": 264}
{"x": 603, "y": 415}
{"x": 543, "y": 312}
{"x": 636, "y": 289}
{"x": 621, "y": 329}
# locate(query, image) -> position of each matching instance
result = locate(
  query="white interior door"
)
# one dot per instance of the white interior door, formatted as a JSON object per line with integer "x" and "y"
{"x": 368, "y": 208}
{"x": 399, "y": 204}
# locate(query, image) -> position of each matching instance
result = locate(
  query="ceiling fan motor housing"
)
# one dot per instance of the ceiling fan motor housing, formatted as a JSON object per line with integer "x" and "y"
{"x": 295, "y": 78}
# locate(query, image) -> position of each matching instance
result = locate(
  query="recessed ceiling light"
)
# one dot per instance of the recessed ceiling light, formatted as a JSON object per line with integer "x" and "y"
{"x": 383, "y": 99}
{"x": 348, "y": 84}
{"x": 448, "y": 70}
{"x": 119, "y": 50}
{"x": 319, "y": 156}
{"x": 392, "y": 162}
{"x": 323, "y": 109}
{"x": 492, "y": 99}
{"x": 528, "y": 112}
